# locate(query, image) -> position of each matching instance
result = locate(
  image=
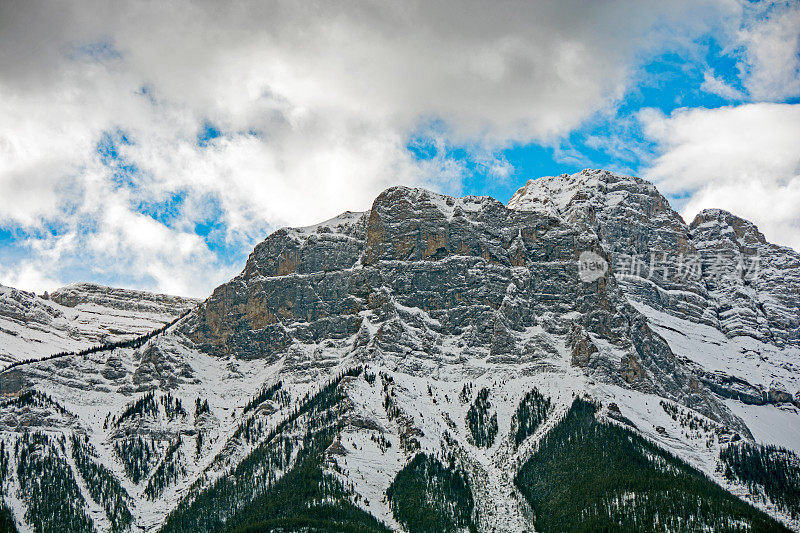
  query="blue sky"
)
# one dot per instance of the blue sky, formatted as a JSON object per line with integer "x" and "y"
{"x": 665, "y": 82}
{"x": 157, "y": 159}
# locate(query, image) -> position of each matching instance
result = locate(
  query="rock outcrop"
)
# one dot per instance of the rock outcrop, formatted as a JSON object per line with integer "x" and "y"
{"x": 79, "y": 316}
{"x": 425, "y": 280}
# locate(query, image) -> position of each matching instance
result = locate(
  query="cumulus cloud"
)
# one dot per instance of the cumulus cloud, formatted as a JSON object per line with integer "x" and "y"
{"x": 743, "y": 159}
{"x": 771, "y": 53}
{"x": 241, "y": 117}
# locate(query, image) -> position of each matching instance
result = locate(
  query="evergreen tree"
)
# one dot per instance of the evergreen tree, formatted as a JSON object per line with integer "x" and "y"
{"x": 168, "y": 472}
{"x": 482, "y": 423}
{"x": 428, "y": 497}
{"x": 138, "y": 455}
{"x": 104, "y": 488}
{"x": 281, "y": 484}
{"x": 532, "y": 410}
{"x": 590, "y": 476}
{"x": 7, "y": 524}
{"x": 47, "y": 486}
{"x": 773, "y": 470}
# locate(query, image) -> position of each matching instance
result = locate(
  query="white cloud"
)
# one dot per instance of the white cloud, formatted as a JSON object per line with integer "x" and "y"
{"x": 742, "y": 159}
{"x": 316, "y": 103}
{"x": 714, "y": 85}
{"x": 771, "y": 65}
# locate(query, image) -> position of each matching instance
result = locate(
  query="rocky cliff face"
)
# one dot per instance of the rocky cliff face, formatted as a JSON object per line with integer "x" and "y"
{"x": 718, "y": 271}
{"x": 755, "y": 285}
{"x": 425, "y": 281}
{"x": 645, "y": 237}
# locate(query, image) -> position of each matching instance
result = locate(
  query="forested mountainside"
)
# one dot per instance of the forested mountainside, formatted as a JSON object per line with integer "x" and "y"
{"x": 581, "y": 359}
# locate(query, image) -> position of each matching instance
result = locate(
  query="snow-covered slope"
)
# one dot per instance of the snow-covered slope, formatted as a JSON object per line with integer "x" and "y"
{"x": 78, "y": 316}
{"x": 726, "y": 301}
{"x": 422, "y": 326}
{"x": 716, "y": 290}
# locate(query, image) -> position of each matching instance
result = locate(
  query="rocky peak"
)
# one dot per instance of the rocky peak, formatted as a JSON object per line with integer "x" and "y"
{"x": 293, "y": 250}
{"x": 628, "y": 213}
{"x": 646, "y": 238}
{"x": 723, "y": 225}
{"x": 415, "y": 224}
{"x": 718, "y": 271}
{"x": 755, "y": 284}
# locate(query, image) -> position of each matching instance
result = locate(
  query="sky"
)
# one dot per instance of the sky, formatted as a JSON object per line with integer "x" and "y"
{"x": 151, "y": 145}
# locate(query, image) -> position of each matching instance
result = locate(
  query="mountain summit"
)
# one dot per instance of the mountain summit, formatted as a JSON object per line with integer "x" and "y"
{"x": 580, "y": 357}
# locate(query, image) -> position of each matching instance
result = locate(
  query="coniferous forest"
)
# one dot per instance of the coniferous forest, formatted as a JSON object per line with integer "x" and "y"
{"x": 429, "y": 497}
{"x": 481, "y": 421}
{"x": 6, "y": 516}
{"x": 54, "y": 501}
{"x": 769, "y": 469}
{"x": 591, "y": 476}
{"x": 584, "y": 475}
{"x": 103, "y": 487}
{"x": 533, "y": 409}
{"x": 282, "y": 485}
{"x": 7, "y": 524}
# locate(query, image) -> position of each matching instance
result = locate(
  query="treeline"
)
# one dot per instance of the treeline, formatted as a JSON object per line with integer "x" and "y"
{"x": 266, "y": 394}
{"x": 694, "y": 426}
{"x": 590, "y": 476}
{"x": 168, "y": 472}
{"x": 252, "y": 429}
{"x": 103, "y": 487}
{"x": 306, "y": 497}
{"x": 771, "y": 469}
{"x": 268, "y": 486}
{"x": 466, "y": 393}
{"x": 147, "y": 405}
{"x": 34, "y": 398}
{"x": 4, "y": 465}
{"x": 201, "y": 408}
{"x": 482, "y": 423}
{"x": 409, "y": 442}
{"x": 47, "y": 485}
{"x": 137, "y": 342}
{"x": 428, "y": 497}
{"x": 531, "y": 412}
{"x": 138, "y": 456}
{"x": 172, "y": 406}
{"x": 7, "y": 522}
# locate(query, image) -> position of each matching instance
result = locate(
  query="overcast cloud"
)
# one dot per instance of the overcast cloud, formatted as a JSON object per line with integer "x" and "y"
{"x": 153, "y": 144}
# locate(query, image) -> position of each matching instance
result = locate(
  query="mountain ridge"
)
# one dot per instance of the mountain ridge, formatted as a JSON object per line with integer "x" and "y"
{"x": 78, "y": 316}
{"x": 344, "y": 350}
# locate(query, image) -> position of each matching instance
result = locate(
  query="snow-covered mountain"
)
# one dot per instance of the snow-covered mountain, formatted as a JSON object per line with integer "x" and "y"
{"x": 578, "y": 357}
{"x": 78, "y": 316}
{"x": 726, "y": 301}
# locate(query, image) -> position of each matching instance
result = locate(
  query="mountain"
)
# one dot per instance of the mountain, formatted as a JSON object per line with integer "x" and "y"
{"x": 78, "y": 316}
{"x": 579, "y": 359}
{"x": 719, "y": 271}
